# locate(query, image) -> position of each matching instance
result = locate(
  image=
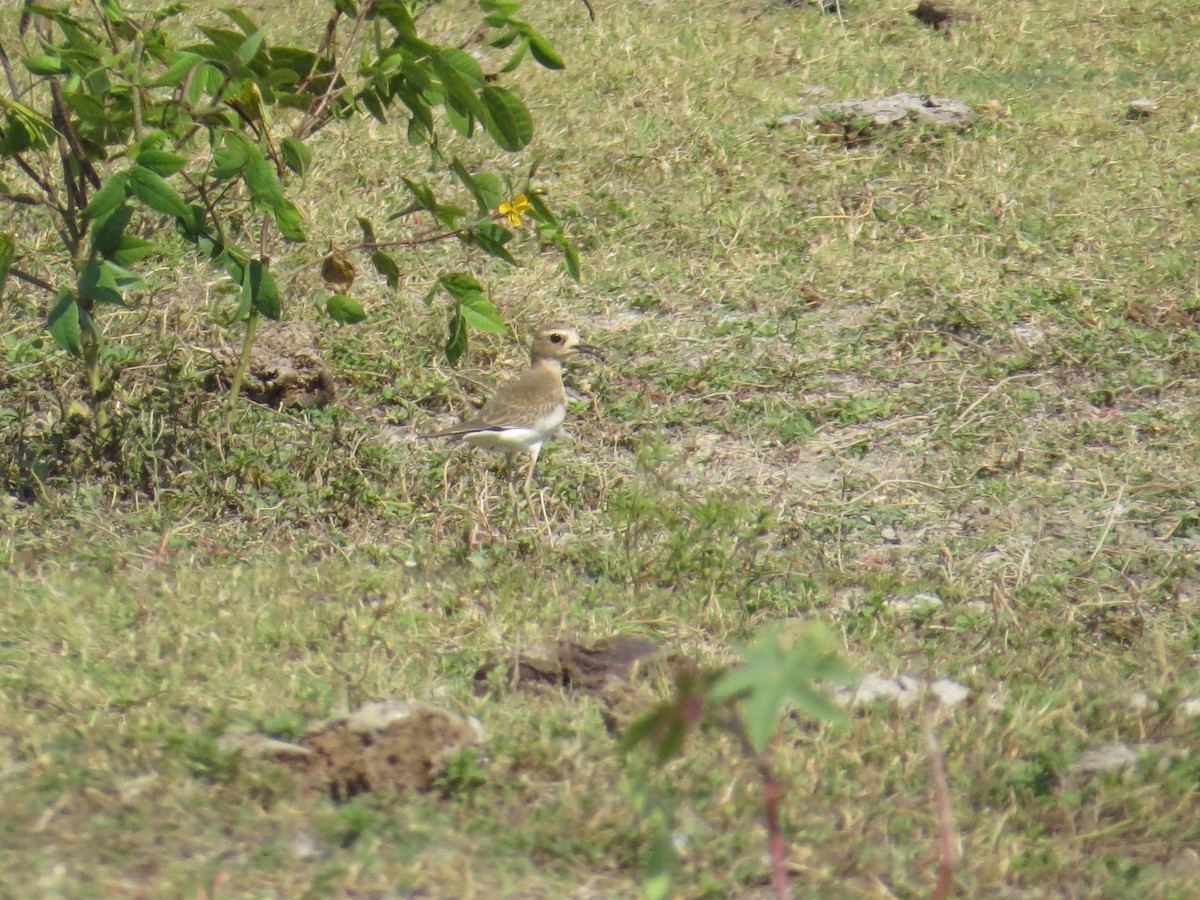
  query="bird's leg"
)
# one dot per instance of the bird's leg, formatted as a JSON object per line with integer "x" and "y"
{"x": 509, "y": 469}
{"x": 446, "y": 475}
{"x": 533, "y": 457}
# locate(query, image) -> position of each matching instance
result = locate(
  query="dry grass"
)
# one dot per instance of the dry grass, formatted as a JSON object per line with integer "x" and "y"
{"x": 961, "y": 365}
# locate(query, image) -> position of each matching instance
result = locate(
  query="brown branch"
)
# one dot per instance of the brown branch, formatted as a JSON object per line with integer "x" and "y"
{"x": 44, "y": 186}
{"x": 13, "y": 87}
{"x": 309, "y": 124}
{"x": 32, "y": 279}
{"x": 23, "y": 24}
{"x": 63, "y": 121}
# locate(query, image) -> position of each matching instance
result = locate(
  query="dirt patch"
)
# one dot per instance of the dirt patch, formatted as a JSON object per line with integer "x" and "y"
{"x": 285, "y": 368}
{"x": 388, "y": 747}
{"x": 591, "y": 667}
{"x": 620, "y": 670}
{"x": 939, "y": 16}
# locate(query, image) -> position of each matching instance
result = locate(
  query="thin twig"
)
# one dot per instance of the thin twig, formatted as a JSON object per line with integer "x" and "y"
{"x": 32, "y": 279}
{"x": 13, "y": 87}
{"x": 1108, "y": 523}
{"x": 961, "y": 416}
{"x": 311, "y": 119}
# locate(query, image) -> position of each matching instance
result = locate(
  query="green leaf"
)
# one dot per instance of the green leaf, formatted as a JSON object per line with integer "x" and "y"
{"x": 481, "y": 315}
{"x": 290, "y": 222}
{"x": 103, "y": 281}
{"x": 473, "y": 307}
{"x": 232, "y": 158}
{"x": 262, "y": 180}
{"x": 775, "y": 673}
{"x": 491, "y": 238}
{"x": 258, "y": 286}
{"x": 540, "y": 210}
{"x": 461, "y": 121}
{"x": 345, "y": 310}
{"x": 459, "y": 285}
{"x": 63, "y": 324}
{"x": 43, "y": 64}
{"x": 241, "y": 20}
{"x": 205, "y": 79}
{"x": 108, "y": 229}
{"x": 450, "y": 214}
{"x": 468, "y": 181}
{"x": 515, "y": 59}
{"x": 386, "y": 266}
{"x": 109, "y": 197}
{"x": 368, "y": 230}
{"x": 161, "y": 162}
{"x": 541, "y": 50}
{"x": 152, "y": 190}
{"x": 421, "y": 193}
{"x": 460, "y": 92}
{"x": 250, "y": 48}
{"x": 25, "y": 129}
{"x": 570, "y": 257}
{"x": 465, "y": 64}
{"x": 8, "y": 252}
{"x": 506, "y": 119}
{"x": 223, "y": 47}
{"x": 491, "y": 189}
{"x": 456, "y": 340}
{"x": 177, "y": 71}
{"x": 131, "y": 249}
{"x": 296, "y": 154}
{"x": 397, "y": 15}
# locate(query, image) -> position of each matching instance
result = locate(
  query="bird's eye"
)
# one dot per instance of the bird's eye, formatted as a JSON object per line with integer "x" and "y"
{"x": 556, "y": 338}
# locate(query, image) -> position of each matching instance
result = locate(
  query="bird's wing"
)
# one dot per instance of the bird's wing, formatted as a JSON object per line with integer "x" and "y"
{"x": 521, "y": 402}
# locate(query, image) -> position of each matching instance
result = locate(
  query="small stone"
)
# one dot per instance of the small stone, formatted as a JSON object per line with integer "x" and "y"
{"x": 305, "y": 847}
{"x": 914, "y": 604}
{"x": 1112, "y": 758}
{"x": 949, "y": 693}
{"x": 1189, "y": 709}
{"x": 1142, "y": 108}
{"x": 901, "y": 689}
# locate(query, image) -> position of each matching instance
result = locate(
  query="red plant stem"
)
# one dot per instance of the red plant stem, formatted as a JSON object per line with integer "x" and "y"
{"x": 775, "y": 845}
{"x": 941, "y": 795}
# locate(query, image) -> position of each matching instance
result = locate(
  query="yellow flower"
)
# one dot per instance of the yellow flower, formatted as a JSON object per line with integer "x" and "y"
{"x": 512, "y": 209}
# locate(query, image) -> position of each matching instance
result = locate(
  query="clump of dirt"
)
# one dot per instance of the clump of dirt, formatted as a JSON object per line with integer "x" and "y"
{"x": 620, "y": 670}
{"x": 858, "y": 121}
{"x": 285, "y": 368}
{"x": 939, "y": 16}
{"x": 589, "y": 667}
{"x": 390, "y": 747}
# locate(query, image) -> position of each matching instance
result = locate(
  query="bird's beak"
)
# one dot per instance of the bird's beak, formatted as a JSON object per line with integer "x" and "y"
{"x": 590, "y": 349}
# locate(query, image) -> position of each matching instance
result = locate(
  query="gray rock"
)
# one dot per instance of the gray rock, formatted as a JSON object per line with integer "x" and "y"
{"x": 881, "y": 112}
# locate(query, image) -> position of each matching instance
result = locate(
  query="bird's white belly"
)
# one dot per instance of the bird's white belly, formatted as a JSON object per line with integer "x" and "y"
{"x": 514, "y": 440}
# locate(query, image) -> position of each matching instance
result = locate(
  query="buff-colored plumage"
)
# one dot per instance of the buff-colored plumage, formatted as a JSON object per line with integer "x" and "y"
{"x": 525, "y": 411}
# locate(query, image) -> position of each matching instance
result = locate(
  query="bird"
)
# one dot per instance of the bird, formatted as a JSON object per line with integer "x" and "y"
{"x": 529, "y": 408}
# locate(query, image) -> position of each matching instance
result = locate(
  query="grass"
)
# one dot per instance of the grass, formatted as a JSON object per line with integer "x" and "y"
{"x": 960, "y": 365}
